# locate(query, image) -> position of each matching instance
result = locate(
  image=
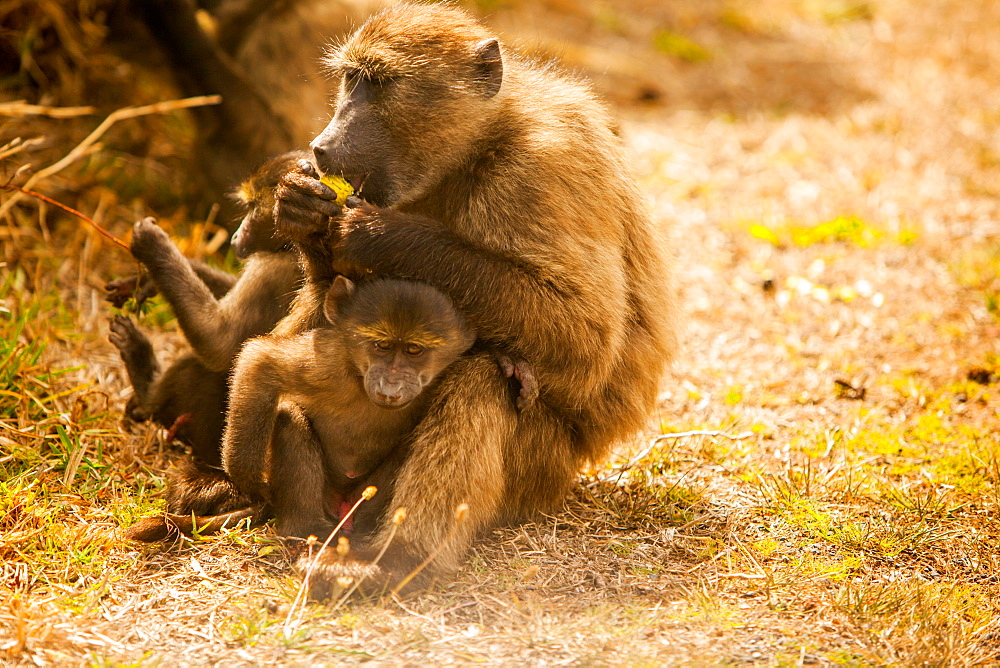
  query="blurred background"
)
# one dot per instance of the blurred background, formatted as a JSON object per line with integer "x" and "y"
{"x": 905, "y": 83}
{"x": 829, "y": 174}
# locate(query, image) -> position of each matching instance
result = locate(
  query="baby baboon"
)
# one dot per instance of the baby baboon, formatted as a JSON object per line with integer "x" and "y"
{"x": 346, "y": 394}
{"x": 501, "y": 183}
{"x": 189, "y": 397}
{"x": 327, "y": 409}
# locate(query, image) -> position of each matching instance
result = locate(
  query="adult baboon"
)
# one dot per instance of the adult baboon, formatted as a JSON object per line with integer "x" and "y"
{"x": 500, "y": 182}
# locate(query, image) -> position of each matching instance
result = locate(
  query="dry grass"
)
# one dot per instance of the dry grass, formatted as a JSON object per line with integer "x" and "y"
{"x": 831, "y": 170}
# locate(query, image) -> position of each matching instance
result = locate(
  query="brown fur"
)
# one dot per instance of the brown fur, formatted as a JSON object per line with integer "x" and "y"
{"x": 516, "y": 200}
{"x": 346, "y": 394}
{"x": 215, "y": 322}
{"x": 188, "y": 398}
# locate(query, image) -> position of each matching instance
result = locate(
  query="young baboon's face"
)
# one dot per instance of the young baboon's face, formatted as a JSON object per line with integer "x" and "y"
{"x": 256, "y": 231}
{"x": 395, "y": 371}
{"x": 399, "y": 336}
{"x": 407, "y": 110}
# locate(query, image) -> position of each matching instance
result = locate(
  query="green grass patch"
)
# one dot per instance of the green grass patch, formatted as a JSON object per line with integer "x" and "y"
{"x": 680, "y": 47}
{"x": 917, "y": 623}
{"x": 28, "y": 387}
{"x": 804, "y": 567}
{"x": 849, "y": 230}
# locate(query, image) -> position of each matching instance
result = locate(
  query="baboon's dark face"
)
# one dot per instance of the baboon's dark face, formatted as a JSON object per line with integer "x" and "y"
{"x": 356, "y": 143}
{"x": 398, "y": 360}
{"x": 396, "y": 369}
{"x": 407, "y": 111}
{"x": 397, "y": 373}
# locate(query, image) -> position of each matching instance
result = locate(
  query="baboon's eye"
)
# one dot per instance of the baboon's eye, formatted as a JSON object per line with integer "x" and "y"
{"x": 413, "y": 349}
{"x": 354, "y": 78}
{"x": 382, "y": 346}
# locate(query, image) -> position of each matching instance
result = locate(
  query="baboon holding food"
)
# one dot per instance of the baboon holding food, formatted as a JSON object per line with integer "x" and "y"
{"x": 501, "y": 183}
{"x": 345, "y": 394}
{"x": 217, "y": 313}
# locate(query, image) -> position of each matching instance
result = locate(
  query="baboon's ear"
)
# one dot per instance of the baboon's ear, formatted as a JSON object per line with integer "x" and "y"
{"x": 340, "y": 291}
{"x": 489, "y": 67}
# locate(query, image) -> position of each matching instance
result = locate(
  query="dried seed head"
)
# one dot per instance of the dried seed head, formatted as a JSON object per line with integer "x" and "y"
{"x": 369, "y": 492}
{"x": 343, "y": 546}
{"x": 311, "y": 540}
{"x": 461, "y": 511}
{"x": 399, "y": 516}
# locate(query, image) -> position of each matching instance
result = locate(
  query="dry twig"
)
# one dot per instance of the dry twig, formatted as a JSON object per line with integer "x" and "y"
{"x": 22, "y": 108}
{"x": 87, "y": 219}
{"x": 82, "y": 148}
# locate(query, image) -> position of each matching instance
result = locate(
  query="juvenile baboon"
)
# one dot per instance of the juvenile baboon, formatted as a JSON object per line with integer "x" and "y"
{"x": 501, "y": 183}
{"x": 190, "y": 396}
{"x": 356, "y": 386}
{"x": 316, "y": 417}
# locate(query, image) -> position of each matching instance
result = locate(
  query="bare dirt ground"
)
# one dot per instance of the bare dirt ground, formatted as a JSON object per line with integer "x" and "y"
{"x": 830, "y": 171}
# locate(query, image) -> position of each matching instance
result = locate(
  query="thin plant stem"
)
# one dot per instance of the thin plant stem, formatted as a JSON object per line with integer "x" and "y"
{"x": 87, "y": 219}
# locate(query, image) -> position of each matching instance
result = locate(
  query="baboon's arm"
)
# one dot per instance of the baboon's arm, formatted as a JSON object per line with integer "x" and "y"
{"x": 547, "y": 316}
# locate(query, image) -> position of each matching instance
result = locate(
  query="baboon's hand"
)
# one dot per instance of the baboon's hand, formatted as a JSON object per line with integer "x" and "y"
{"x": 148, "y": 240}
{"x": 524, "y": 373}
{"x": 120, "y": 290}
{"x": 302, "y": 205}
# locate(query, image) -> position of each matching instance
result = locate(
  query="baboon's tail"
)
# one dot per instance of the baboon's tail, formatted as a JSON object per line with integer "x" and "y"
{"x": 170, "y": 526}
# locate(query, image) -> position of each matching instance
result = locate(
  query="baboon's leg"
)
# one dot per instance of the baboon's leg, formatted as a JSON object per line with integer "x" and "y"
{"x": 219, "y": 282}
{"x": 142, "y": 287}
{"x": 190, "y": 401}
{"x": 137, "y": 353}
{"x": 297, "y": 478}
{"x": 457, "y": 455}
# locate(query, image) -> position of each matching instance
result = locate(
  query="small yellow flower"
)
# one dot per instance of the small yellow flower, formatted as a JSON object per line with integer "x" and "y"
{"x": 339, "y": 186}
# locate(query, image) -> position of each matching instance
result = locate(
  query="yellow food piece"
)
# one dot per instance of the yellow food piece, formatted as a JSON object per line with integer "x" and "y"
{"x": 339, "y": 186}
